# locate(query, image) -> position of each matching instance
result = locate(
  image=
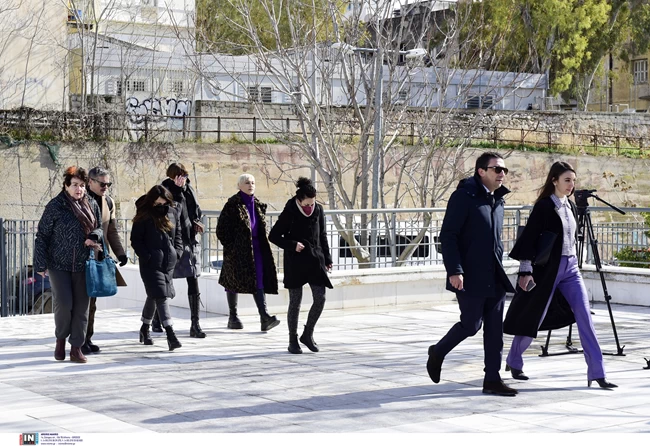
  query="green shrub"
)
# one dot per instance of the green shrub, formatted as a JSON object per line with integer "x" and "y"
{"x": 632, "y": 258}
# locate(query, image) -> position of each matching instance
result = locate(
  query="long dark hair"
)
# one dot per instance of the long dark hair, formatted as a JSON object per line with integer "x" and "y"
{"x": 305, "y": 189}
{"x": 145, "y": 208}
{"x": 557, "y": 169}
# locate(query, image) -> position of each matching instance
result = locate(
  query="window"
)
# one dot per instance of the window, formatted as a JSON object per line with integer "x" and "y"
{"x": 118, "y": 88}
{"x": 177, "y": 87}
{"x": 257, "y": 94}
{"x": 402, "y": 97}
{"x": 254, "y": 93}
{"x": 640, "y": 68}
{"x": 267, "y": 94}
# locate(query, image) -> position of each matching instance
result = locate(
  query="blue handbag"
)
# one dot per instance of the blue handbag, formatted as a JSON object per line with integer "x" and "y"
{"x": 100, "y": 276}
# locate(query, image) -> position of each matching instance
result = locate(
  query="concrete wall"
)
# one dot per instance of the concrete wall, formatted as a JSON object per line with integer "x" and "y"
{"x": 32, "y": 54}
{"x": 31, "y": 178}
{"x": 385, "y": 287}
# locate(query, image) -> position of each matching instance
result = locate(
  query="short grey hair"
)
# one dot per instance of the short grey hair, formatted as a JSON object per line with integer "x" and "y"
{"x": 97, "y": 172}
{"x": 243, "y": 177}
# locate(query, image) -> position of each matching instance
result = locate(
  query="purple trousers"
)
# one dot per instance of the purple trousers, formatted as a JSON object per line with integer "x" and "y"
{"x": 570, "y": 283}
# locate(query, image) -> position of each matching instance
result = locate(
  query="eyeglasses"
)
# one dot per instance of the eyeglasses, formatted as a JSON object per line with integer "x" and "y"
{"x": 498, "y": 169}
{"x": 101, "y": 184}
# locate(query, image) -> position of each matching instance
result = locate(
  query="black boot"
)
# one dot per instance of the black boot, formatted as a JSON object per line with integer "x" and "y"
{"x": 267, "y": 321}
{"x": 307, "y": 338}
{"x": 155, "y": 323}
{"x": 233, "y": 321}
{"x": 145, "y": 336}
{"x": 294, "y": 347}
{"x": 195, "y": 328}
{"x": 172, "y": 340}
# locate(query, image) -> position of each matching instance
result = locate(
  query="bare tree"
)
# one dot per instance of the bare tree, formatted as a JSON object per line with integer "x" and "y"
{"x": 420, "y": 143}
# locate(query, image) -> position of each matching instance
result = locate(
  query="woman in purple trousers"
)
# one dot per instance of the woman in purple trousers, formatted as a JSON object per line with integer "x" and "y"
{"x": 556, "y": 295}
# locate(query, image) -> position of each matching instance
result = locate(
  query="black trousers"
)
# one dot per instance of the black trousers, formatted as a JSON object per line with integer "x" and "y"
{"x": 474, "y": 312}
{"x": 70, "y": 305}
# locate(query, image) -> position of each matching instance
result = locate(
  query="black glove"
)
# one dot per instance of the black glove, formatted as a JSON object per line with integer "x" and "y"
{"x": 123, "y": 259}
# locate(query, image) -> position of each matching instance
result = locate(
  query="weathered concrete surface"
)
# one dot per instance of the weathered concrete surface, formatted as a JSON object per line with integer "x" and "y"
{"x": 30, "y": 177}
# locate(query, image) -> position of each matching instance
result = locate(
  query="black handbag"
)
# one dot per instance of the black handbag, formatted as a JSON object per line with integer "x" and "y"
{"x": 188, "y": 265}
{"x": 543, "y": 248}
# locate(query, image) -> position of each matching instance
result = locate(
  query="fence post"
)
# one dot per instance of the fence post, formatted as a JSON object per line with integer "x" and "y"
{"x": 205, "y": 244}
{"x": 184, "y": 124}
{"x": 596, "y": 143}
{"x": 288, "y": 126}
{"x": 4, "y": 286}
{"x": 549, "y": 138}
{"x": 254, "y": 129}
{"x": 496, "y": 136}
{"x": 523, "y": 137}
{"x": 218, "y": 128}
{"x": 146, "y": 127}
{"x": 618, "y": 145}
{"x": 412, "y": 133}
{"x": 393, "y": 235}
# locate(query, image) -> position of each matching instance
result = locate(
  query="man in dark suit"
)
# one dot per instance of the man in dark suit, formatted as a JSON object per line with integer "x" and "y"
{"x": 472, "y": 252}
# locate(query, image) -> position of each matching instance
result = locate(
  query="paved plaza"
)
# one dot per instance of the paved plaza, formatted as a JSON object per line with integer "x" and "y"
{"x": 369, "y": 377}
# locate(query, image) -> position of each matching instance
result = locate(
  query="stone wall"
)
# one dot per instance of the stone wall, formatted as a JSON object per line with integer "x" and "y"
{"x": 30, "y": 177}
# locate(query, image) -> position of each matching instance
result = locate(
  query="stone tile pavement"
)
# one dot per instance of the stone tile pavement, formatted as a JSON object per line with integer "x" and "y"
{"x": 369, "y": 377}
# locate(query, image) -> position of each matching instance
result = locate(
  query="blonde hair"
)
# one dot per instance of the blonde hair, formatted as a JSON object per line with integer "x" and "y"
{"x": 243, "y": 177}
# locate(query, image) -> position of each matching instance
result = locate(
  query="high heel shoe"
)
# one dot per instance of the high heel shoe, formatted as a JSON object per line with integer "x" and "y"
{"x": 145, "y": 335}
{"x": 516, "y": 373}
{"x": 602, "y": 382}
{"x": 172, "y": 340}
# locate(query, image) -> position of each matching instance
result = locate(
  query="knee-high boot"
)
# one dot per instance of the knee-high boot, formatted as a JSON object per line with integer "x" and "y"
{"x": 233, "y": 321}
{"x": 267, "y": 321}
{"x": 195, "y": 328}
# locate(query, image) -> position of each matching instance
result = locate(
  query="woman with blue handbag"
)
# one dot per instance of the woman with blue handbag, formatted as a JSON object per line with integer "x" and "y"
{"x": 69, "y": 228}
{"x": 156, "y": 239}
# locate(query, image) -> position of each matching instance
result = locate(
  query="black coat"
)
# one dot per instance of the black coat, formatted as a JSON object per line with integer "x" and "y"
{"x": 157, "y": 254}
{"x": 310, "y": 264}
{"x": 234, "y": 232}
{"x": 526, "y": 309}
{"x": 470, "y": 240}
{"x": 60, "y": 239}
{"x": 189, "y": 208}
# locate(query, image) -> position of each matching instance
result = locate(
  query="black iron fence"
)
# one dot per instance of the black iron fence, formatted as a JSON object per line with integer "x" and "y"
{"x": 403, "y": 237}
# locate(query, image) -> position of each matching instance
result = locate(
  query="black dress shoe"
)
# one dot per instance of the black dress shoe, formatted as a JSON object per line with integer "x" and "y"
{"x": 603, "y": 383}
{"x": 516, "y": 373}
{"x": 85, "y": 349}
{"x": 434, "y": 365}
{"x": 93, "y": 348}
{"x": 498, "y": 388}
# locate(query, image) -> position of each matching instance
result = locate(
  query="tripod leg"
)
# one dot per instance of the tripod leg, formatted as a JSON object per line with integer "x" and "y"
{"x": 589, "y": 228}
{"x": 545, "y": 347}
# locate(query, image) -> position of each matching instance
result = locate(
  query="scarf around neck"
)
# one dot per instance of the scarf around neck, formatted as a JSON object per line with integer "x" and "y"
{"x": 81, "y": 210}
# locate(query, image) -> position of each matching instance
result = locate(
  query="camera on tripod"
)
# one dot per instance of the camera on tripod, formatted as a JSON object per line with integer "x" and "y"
{"x": 581, "y": 197}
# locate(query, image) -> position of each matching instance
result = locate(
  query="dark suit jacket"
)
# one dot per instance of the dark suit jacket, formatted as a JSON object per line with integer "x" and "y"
{"x": 470, "y": 239}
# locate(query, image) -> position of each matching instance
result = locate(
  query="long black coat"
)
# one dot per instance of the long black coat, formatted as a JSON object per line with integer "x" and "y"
{"x": 470, "y": 239}
{"x": 526, "y": 309}
{"x": 310, "y": 264}
{"x": 157, "y": 254}
{"x": 234, "y": 233}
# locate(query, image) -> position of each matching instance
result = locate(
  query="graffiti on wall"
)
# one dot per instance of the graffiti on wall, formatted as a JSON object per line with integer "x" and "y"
{"x": 157, "y": 109}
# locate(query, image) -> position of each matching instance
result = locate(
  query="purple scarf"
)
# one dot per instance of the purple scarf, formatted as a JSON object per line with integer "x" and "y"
{"x": 249, "y": 202}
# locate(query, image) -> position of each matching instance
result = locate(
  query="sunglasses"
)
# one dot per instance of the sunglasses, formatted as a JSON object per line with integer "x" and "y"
{"x": 101, "y": 184}
{"x": 498, "y": 169}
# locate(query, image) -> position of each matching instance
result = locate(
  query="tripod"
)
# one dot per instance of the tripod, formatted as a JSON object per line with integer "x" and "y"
{"x": 585, "y": 226}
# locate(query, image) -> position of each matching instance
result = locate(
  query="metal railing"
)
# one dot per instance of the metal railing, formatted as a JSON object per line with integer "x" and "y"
{"x": 404, "y": 237}
{"x": 61, "y": 126}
